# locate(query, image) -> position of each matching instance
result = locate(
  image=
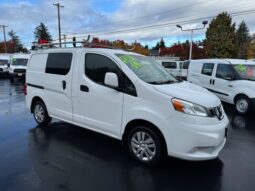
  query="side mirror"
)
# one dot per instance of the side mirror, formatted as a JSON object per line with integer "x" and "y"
{"x": 8, "y": 65}
{"x": 229, "y": 77}
{"x": 111, "y": 80}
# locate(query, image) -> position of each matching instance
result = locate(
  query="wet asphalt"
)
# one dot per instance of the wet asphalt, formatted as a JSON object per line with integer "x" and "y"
{"x": 66, "y": 157}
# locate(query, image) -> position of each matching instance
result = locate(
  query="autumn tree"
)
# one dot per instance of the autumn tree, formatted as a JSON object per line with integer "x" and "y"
{"x": 221, "y": 41}
{"x": 251, "y": 48}
{"x": 14, "y": 44}
{"x": 42, "y": 33}
{"x": 243, "y": 40}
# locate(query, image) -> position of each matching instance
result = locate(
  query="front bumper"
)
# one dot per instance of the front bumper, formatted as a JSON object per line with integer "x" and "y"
{"x": 198, "y": 140}
{"x": 4, "y": 72}
{"x": 17, "y": 75}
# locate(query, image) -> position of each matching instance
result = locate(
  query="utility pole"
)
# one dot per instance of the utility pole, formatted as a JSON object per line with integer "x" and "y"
{"x": 59, "y": 28}
{"x": 64, "y": 35}
{"x": 5, "y": 45}
{"x": 191, "y": 35}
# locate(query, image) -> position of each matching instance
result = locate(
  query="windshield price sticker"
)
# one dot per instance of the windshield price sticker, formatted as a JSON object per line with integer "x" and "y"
{"x": 129, "y": 60}
{"x": 241, "y": 68}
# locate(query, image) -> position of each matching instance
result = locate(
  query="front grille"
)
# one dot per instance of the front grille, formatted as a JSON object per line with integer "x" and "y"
{"x": 1, "y": 69}
{"x": 19, "y": 71}
{"x": 217, "y": 112}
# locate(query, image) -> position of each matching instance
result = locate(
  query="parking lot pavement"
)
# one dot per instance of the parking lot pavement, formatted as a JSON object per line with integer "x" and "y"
{"x": 66, "y": 157}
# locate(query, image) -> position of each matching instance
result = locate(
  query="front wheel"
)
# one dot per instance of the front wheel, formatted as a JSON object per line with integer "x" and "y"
{"x": 40, "y": 113}
{"x": 243, "y": 104}
{"x": 145, "y": 145}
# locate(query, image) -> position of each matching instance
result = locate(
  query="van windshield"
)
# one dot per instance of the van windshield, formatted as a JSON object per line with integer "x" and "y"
{"x": 147, "y": 69}
{"x": 19, "y": 61}
{"x": 246, "y": 72}
{"x": 3, "y": 62}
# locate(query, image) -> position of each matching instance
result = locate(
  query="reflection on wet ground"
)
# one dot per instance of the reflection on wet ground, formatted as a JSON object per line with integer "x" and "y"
{"x": 66, "y": 157}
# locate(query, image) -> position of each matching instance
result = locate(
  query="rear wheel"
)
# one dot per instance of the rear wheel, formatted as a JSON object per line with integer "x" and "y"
{"x": 40, "y": 113}
{"x": 145, "y": 145}
{"x": 243, "y": 104}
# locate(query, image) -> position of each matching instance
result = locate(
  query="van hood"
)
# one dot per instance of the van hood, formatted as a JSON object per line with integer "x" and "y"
{"x": 18, "y": 67}
{"x": 190, "y": 92}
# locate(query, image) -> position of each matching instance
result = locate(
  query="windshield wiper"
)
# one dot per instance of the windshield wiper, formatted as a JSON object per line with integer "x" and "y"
{"x": 250, "y": 79}
{"x": 162, "y": 82}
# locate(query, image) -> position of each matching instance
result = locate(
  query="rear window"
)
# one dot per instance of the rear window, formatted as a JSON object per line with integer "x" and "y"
{"x": 59, "y": 63}
{"x": 207, "y": 69}
{"x": 172, "y": 65}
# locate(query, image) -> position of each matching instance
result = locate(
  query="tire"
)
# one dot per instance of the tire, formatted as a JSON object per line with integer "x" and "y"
{"x": 150, "y": 148}
{"x": 243, "y": 104}
{"x": 40, "y": 113}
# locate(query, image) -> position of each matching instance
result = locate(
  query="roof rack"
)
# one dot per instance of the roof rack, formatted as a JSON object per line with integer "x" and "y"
{"x": 84, "y": 43}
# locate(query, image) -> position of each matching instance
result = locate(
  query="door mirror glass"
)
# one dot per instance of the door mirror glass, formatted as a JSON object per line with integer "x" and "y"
{"x": 229, "y": 77}
{"x": 111, "y": 80}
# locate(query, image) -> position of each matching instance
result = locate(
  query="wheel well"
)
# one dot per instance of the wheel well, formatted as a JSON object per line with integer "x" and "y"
{"x": 238, "y": 96}
{"x": 134, "y": 123}
{"x": 35, "y": 99}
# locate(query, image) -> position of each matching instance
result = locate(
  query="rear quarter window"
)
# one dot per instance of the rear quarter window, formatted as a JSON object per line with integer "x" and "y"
{"x": 207, "y": 69}
{"x": 58, "y": 63}
{"x": 37, "y": 62}
{"x": 172, "y": 65}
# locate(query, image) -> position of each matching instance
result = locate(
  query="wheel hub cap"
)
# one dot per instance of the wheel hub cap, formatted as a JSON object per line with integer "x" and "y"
{"x": 143, "y": 146}
{"x": 39, "y": 113}
{"x": 242, "y": 105}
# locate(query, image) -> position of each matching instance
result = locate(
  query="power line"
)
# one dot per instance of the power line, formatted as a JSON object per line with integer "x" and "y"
{"x": 234, "y": 14}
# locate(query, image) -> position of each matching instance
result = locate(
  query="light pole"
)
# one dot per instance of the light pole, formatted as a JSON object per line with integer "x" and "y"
{"x": 191, "y": 37}
{"x": 59, "y": 28}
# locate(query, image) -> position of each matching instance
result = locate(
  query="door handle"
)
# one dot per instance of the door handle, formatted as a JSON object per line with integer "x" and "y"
{"x": 64, "y": 84}
{"x": 84, "y": 88}
{"x": 210, "y": 81}
{"x": 231, "y": 86}
{"x": 213, "y": 81}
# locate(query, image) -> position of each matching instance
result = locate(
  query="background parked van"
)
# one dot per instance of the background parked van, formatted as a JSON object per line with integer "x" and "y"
{"x": 18, "y": 66}
{"x": 232, "y": 80}
{"x": 177, "y": 68}
{"x": 4, "y": 64}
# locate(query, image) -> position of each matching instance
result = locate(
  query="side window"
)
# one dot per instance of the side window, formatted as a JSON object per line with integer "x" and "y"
{"x": 184, "y": 65}
{"x": 96, "y": 66}
{"x": 59, "y": 63}
{"x": 171, "y": 65}
{"x": 207, "y": 69}
{"x": 224, "y": 71}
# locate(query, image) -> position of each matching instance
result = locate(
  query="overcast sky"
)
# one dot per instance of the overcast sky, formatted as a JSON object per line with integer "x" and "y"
{"x": 119, "y": 19}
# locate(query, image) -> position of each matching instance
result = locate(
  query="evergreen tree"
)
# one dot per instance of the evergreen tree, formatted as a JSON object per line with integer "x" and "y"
{"x": 243, "y": 38}
{"x": 42, "y": 33}
{"x": 220, "y": 39}
{"x": 162, "y": 43}
{"x": 15, "y": 44}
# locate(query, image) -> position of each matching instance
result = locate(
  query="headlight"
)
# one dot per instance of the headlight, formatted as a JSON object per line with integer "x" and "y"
{"x": 189, "y": 108}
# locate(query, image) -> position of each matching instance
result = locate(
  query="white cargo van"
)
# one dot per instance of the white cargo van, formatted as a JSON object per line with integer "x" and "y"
{"x": 177, "y": 68}
{"x": 18, "y": 66}
{"x": 129, "y": 97}
{"x": 232, "y": 80}
{"x": 4, "y": 63}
